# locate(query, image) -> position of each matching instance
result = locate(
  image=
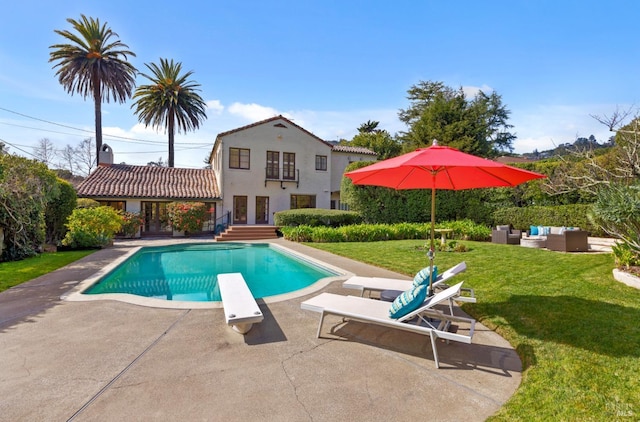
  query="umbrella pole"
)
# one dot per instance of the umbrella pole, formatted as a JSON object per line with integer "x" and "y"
{"x": 431, "y": 254}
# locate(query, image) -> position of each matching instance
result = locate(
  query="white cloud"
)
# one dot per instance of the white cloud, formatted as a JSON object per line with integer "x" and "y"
{"x": 215, "y": 106}
{"x": 253, "y": 112}
{"x": 472, "y": 91}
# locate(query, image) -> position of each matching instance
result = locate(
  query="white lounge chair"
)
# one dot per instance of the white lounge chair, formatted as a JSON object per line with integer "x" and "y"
{"x": 377, "y": 312}
{"x": 380, "y": 284}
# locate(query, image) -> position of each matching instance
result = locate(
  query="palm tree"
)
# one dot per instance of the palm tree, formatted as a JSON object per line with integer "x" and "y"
{"x": 171, "y": 100}
{"x": 94, "y": 65}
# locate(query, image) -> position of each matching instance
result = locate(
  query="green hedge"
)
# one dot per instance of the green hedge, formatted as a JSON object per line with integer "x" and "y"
{"x": 463, "y": 229}
{"x": 316, "y": 217}
{"x": 575, "y": 215}
{"x": 58, "y": 211}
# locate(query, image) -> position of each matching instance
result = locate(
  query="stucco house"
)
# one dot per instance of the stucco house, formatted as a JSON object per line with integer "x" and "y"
{"x": 256, "y": 170}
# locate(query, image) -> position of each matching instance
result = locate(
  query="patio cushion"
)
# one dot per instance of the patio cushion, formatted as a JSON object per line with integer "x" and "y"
{"x": 408, "y": 301}
{"x": 422, "y": 277}
{"x": 533, "y": 231}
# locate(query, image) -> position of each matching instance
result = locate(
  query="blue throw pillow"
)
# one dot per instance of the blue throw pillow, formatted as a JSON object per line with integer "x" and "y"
{"x": 422, "y": 277}
{"x": 533, "y": 231}
{"x": 408, "y": 302}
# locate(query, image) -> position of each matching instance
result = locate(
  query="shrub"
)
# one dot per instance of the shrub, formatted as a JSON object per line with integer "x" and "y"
{"x": 617, "y": 211}
{"x": 316, "y": 217}
{"x": 131, "y": 223}
{"x": 87, "y": 203}
{"x": 58, "y": 211}
{"x": 522, "y": 218}
{"x": 377, "y": 232}
{"x": 187, "y": 216}
{"x": 26, "y": 186}
{"x": 92, "y": 227}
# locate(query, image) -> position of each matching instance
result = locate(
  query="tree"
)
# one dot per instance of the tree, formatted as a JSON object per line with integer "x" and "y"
{"x": 379, "y": 141}
{"x": 159, "y": 163}
{"x": 94, "y": 65}
{"x": 477, "y": 126}
{"x": 590, "y": 170}
{"x": 45, "y": 152}
{"x": 170, "y": 100}
{"x": 84, "y": 158}
{"x": 369, "y": 126}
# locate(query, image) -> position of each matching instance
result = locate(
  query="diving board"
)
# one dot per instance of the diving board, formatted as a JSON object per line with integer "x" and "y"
{"x": 241, "y": 310}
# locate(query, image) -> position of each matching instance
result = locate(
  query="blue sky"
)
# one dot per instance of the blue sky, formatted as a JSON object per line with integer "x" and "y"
{"x": 329, "y": 66}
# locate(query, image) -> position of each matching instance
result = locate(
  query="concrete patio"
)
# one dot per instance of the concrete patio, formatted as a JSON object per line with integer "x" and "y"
{"x": 107, "y": 360}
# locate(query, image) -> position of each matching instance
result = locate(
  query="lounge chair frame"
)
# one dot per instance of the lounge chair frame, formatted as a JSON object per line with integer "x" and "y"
{"x": 376, "y": 312}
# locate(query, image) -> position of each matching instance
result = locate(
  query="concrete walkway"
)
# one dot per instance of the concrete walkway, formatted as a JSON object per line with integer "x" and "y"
{"x": 113, "y": 361}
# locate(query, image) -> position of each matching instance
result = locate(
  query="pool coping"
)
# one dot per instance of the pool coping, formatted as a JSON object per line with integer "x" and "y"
{"x": 77, "y": 293}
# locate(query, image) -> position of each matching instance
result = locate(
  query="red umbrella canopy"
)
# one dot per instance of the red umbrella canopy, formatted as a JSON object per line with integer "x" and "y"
{"x": 440, "y": 167}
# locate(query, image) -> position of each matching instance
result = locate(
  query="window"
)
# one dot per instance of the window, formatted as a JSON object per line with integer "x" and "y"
{"x": 289, "y": 165}
{"x": 321, "y": 162}
{"x": 118, "y": 205}
{"x": 273, "y": 165}
{"x": 239, "y": 158}
{"x": 303, "y": 201}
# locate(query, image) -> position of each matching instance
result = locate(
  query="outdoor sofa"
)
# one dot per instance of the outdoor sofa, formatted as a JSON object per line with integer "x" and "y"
{"x": 568, "y": 241}
{"x": 563, "y": 239}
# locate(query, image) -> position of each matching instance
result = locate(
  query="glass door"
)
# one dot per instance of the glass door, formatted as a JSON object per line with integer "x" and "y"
{"x": 239, "y": 210}
{"x": 262, "y": 210}
{"x": 156, "y": 220}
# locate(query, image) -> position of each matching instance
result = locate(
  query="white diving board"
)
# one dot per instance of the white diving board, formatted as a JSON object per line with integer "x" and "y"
{"x": 240, "y": 308}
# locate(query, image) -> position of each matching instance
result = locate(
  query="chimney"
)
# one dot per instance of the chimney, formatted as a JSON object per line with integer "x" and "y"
{"x": 106, "y": 156}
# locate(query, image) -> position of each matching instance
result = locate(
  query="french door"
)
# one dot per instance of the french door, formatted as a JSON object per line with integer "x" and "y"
{"x": 239, "y": 210}
{"x": 262, "y": 210}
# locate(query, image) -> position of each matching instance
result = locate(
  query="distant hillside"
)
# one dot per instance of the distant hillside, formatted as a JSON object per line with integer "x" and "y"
{"x": 580, "y": 144}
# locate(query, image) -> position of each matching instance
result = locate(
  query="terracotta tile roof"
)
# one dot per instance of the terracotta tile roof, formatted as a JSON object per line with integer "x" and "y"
{"x": 353, "y": 150}
{"x": 125, "y": 181}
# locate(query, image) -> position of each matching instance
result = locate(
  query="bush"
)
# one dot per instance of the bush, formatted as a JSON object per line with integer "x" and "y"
{"x": 87, "y": 203}
{"x": 187, "y": 216}
{"x": 575, "y": 215}
{"x": 58, "y": 211}
{"x": 617, "y": 211}
{"x": 376, "y": 232}
{"x": 131, "y": 223}
{"x": 92, "y": 227}
{"x": 316, "y": 217}
{"x": 26, "y": 186}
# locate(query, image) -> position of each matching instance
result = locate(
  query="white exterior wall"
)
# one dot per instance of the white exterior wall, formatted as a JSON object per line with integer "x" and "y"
{"x": 251, "y": 183}
{"x": 339, "y": 161}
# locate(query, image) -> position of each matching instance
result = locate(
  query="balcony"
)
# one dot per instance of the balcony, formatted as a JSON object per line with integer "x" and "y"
{"x": 279, "y": 175}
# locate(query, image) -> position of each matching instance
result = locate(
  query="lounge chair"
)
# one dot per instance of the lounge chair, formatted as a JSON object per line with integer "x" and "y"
{"x": 380, "y": 284}
{"x": 424, "y": 320}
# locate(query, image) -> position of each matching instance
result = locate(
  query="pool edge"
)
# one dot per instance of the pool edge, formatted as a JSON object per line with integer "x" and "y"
{"x": 76, "y": 293}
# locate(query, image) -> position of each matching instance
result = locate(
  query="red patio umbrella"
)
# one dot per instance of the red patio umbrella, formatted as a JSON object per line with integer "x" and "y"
{"x": 439, "y": 167}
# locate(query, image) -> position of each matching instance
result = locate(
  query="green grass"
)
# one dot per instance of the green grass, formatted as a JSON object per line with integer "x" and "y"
{"x": 576, "y": 329}
{"x": 16, "y": 272}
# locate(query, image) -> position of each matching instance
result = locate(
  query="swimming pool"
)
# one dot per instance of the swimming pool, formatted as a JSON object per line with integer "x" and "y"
{"x": 188, "y": 272}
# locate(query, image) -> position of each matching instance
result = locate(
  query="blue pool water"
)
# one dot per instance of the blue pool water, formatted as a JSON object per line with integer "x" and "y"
{"x": 189, "y": 272}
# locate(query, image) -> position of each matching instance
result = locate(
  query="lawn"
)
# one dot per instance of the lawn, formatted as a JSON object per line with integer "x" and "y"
{"x": 576, "y": 329}
{"x": 16, "y": 272}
